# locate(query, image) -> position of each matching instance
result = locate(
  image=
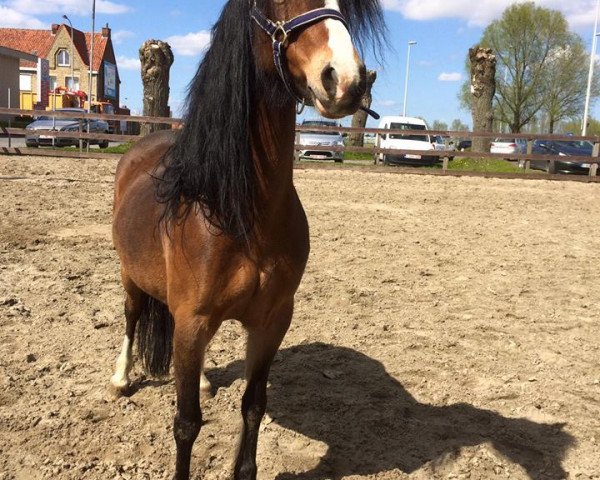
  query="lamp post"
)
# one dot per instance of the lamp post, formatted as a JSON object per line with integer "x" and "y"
{"x": 72, "y": 59}
{"x": 410, "y": 44}
{"x": 588, "y": 95}
{"x": 91, "y": 55}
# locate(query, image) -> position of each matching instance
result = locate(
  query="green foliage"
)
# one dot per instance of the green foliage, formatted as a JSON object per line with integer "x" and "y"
{"x": 542, "y": 67}
{"x": 489, "y": 165}
{"x": 121, "y": 149}
{"x": 574, "y": 126}
{"x": 458, "y": 126}
{"x": 439, "y": 125}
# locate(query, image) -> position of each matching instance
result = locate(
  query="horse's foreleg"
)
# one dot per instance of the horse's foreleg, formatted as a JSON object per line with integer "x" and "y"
{"x": 189, "y": 344}
{"x": 262, "y": 347}
{"x": 134, "y": 304}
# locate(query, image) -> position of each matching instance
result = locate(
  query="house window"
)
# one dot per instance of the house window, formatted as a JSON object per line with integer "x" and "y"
{"x": 53, "y": 83}
{"x": 25, "y": 82}
{"x": 72, "y": 83}
{"x": 62, "y": 58}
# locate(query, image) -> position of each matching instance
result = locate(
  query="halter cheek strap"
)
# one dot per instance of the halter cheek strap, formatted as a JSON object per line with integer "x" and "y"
{"x": 280, "y": 31}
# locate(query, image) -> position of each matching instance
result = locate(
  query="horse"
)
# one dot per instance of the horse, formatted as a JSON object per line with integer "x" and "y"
{"x": 207, "y": 223}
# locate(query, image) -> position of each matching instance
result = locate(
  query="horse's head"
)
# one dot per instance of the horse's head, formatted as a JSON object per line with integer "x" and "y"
{"x": 321, "y": 64}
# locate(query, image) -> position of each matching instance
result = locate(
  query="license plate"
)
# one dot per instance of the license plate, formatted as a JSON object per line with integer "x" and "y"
{"x": 413, "y": 157}
{"x": 319, "y": 157}
{"x": 45, "y": 137}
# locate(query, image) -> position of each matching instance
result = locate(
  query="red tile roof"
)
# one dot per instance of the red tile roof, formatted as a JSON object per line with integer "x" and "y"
{"x": 39, "y": 42}
{"x": 35, "y": 42}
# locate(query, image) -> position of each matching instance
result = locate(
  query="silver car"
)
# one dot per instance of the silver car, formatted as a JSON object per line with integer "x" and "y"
{"x": 321, "y": 139}
{"x": 63, "y": 124}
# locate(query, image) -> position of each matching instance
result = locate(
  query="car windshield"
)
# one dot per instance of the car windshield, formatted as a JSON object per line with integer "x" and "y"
{"x": 408, "y": 126}
{"x": 61, "y": 119}
{"x": 318, "y": 124}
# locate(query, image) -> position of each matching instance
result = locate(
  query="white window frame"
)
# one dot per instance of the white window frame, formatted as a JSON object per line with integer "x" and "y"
{"x": 76, "y": 83}
{"x": 63, "y": 51}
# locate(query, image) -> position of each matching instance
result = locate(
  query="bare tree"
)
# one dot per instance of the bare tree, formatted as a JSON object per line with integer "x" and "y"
{"x": 156, "y": 57}
{"x": 359, "y": 120}
{"x": 483, "y": 89}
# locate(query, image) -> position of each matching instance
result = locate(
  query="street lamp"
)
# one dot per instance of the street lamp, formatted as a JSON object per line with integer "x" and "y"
{"x": 588, "y": 95}
{"x": 91, "y": 55}
{"x": 410, "y": 44}
{"x": 72, "y": 59}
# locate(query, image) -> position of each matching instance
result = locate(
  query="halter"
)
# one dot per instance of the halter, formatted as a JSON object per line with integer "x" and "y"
{"x": 281, "y": 30}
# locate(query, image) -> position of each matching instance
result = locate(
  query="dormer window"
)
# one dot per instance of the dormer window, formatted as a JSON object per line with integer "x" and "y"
{"x": 62, "y": 58}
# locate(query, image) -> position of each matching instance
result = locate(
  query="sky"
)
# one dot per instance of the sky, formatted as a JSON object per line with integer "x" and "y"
{"x": 443, "y": 29}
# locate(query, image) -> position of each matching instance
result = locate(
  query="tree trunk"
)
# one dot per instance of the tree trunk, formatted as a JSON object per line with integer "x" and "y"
{"x": 156, "y": 57}
{"x": 359, "y": 120}
{"x": 483, "y": 87}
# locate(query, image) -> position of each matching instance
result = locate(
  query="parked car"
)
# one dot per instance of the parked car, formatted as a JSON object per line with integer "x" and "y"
{"x": 439, "y": 144}
{"x": 321, "y": 139}
{"x": 464, "y": 145}
{"x": 399, "y": 141}
{"x": 564, "y": 149}
{"x": 63, "y": 124}
{"x": 509, "y": 146}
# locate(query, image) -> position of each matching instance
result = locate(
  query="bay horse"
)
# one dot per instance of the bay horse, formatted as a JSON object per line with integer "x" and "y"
{"x": 207, "y": 223}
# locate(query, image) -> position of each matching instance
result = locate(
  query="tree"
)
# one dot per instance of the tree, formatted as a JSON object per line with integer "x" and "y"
{"x": 483, "y": 89}
{"x": 439, "y": 125}
{"x": 539, "y": 62}
{"x": 156, "y": 57}
{"x": 458, "y": 126}
{"x": 566, "y": 82}
{"x": 574, "y": 126}
{"x": 359, "y": 120}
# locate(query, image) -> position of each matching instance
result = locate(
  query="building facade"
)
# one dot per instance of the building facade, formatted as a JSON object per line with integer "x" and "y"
{"x": 69, "y": 55}
{"x": 9, "y": 76}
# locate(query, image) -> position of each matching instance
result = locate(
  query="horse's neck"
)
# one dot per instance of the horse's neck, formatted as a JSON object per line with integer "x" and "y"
{"x": 273, "y": 138}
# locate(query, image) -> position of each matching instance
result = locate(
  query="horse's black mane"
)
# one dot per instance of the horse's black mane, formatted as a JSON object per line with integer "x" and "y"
{"x": 210, "y": 162}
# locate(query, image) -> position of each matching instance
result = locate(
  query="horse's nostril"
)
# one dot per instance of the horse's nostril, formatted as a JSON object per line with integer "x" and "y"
{"x": 330, "y": 80}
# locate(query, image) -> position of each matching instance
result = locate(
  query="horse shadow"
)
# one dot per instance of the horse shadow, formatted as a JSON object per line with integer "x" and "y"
{"x": 371, "y": 424}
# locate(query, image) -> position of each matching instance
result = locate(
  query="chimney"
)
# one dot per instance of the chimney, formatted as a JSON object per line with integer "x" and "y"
{"x": 55, "y": 28}
{"x": 106, "y": 31}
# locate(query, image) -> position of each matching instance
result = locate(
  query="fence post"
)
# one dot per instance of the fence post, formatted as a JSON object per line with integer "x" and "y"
{"x": 80, "y": 139}
{"x": 595, "y": 155}
{"x": 9, "y": 122}
{"x": 529, "y": 152}
{"x": 297, "y": 152}
{"x": 377, "y": 145}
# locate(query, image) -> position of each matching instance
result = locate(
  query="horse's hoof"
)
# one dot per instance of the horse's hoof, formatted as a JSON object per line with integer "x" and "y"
{"x": 119, "y": 389}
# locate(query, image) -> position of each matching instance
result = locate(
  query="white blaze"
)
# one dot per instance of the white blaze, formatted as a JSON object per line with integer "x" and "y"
{"x": 343, "y": 59}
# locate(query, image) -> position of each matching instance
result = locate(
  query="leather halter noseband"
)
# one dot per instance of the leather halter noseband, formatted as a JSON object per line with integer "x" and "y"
{"x": 281, "y": 30}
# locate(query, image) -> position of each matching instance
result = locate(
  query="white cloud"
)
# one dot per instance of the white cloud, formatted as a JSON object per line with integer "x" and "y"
{"x": 481, "y": 12}
{"x": 120, "y": 36}
{"x": 191, "y": 44}
{"x": 128, "y": 63}
{"x": 10, "y": 18}
{"x": 387, "y": 103}
{"x": 450, "y": 77}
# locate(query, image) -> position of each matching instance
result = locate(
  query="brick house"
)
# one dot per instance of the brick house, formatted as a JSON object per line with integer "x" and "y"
{"x": 73, "y": 73}
{"x": 9, "y": 75}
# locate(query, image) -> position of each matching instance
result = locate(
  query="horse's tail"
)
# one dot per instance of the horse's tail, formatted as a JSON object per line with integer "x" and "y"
{"x": 155, "y": 337}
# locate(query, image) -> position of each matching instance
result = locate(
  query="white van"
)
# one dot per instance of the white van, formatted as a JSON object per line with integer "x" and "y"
{"x": 397, "y": 141}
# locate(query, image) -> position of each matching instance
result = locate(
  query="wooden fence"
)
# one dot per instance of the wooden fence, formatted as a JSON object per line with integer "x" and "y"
{"x": 375, "y": 150}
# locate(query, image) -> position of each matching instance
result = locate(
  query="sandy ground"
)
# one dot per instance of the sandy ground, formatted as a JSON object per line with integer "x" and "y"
{"x": 446, "y": 328}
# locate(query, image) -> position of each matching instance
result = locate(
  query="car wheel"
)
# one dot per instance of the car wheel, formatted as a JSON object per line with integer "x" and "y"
{"x": 338, "y": 160}
{"x": 103, "y": 144}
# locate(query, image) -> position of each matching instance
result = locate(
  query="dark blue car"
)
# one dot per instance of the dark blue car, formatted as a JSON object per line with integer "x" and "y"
{"x": 564, "y": 149}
